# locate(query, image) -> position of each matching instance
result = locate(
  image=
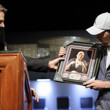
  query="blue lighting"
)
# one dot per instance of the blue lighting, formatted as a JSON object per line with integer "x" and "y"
{"x": 81, "y": 90}
{"x": 43, "y": 87}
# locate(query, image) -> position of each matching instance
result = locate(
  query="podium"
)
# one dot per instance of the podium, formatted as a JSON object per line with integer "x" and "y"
{"x": 15, "y": 93}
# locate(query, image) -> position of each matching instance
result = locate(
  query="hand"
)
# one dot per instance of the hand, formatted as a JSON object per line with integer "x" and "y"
{"x": 82, "y": 64}
{"x": 62, "y": 51}
{"x": 53, "y": 63}
{"x": 72, "y": 63}
{"x": 95, "y": 84}
{"x": 84, "y": 69}
{"x": 36, "y": 98}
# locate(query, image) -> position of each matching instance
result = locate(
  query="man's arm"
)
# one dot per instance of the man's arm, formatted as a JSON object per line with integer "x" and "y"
{"x": 38, "y": 64}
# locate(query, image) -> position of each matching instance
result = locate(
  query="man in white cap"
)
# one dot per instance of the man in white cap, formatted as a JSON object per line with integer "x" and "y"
{"x": 101, "y": 28}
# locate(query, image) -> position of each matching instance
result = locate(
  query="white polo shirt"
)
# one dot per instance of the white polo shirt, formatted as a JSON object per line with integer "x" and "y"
{"x": 108, "y": 58}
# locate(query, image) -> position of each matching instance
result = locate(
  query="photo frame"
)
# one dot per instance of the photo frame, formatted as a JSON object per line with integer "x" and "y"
{"x": 81, "y": 62}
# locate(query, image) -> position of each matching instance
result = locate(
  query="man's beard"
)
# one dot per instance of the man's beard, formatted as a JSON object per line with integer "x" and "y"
{"x": 2, "y": 39}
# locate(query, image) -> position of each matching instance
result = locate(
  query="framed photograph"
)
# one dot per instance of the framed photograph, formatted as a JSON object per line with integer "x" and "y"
{"x": 81, "y": 62}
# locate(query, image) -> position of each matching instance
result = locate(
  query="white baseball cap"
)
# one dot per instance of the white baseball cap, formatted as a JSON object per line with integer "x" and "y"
{"x": 102, "y": 23}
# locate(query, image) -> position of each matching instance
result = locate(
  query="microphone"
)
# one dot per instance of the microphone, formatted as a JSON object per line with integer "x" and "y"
{"x": 3, "y": 44}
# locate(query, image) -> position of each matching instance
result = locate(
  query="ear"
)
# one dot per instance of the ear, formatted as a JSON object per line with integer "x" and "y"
{"x": 109, "y": 33}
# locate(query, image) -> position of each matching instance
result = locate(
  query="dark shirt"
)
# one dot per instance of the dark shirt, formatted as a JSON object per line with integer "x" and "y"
{"x": 37, "y": 64}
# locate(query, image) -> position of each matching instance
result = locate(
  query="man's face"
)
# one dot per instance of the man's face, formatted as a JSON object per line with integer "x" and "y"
{"x": 104, "y": 38}
{"x": 2, "y": 18}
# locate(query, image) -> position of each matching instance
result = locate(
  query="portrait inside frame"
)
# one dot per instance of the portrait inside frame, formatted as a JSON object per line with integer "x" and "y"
{"x": 81, "y": 62}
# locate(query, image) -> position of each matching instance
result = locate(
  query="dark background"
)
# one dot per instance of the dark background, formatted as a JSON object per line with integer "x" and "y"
{"x": 26, "y": 20}
{"x": 29, "y": 15}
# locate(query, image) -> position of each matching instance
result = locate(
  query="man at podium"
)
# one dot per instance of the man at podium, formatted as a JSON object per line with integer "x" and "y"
{"x": 34, "y": 64}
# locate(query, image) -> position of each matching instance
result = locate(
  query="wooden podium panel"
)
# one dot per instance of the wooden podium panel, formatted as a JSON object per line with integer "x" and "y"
{"x": 15, "y": 91}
